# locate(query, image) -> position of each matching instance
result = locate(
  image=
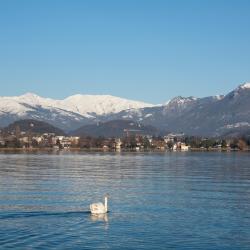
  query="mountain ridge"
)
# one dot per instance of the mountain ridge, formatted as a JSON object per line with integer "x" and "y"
{"x": 115, "y": 128}
{"x": 69, "y": 113}
{"x": 210, "y": 116}
{"x": 71, "y": 103}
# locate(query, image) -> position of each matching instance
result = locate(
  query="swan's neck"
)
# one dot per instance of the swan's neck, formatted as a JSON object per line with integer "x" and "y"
{"x": 106, "y": 203}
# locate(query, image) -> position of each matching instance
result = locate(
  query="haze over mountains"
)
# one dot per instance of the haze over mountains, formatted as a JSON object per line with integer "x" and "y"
{"x": 209, "y": 116}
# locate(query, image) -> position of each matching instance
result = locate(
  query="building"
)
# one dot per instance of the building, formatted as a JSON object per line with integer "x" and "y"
{"x": 184, "y": 147}
{"x": 2, "y": 142}
{"x": 180, "y": 146}
{"x": 173, "y": 137}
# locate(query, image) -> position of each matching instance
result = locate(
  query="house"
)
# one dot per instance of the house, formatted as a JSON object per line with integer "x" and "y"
{"x": 24, "y": 139}
{"x": 173, "y": 137}
{"x": 184, "y": 147}
{"x": 2, "y": 142}
{"x": 105, "y": 147}
{"x": 180, "y": 146}
{"x": 74, "y": 140}
{"x": 65, "y": 142}
{"x": 158, "y": 144}
{"x": 48, "y": 135}
{"x": 39, "y": 139}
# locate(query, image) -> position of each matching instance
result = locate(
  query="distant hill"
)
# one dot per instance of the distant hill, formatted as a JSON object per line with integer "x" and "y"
{"x": 33, "y": 126}
{"x": 115, "y": 128}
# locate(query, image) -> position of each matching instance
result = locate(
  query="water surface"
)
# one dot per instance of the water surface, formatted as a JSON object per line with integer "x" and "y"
{"x": 157, "y": 201}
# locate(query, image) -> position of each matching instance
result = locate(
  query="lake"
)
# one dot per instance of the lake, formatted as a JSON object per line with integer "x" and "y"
{"x": 156, "y": 200}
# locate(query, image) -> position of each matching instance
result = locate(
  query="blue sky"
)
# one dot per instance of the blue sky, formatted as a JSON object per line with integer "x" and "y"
{"x": 144, "y": 50}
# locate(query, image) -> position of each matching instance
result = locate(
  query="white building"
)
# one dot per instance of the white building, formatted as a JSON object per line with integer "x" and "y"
{"x": 184, "y": 147}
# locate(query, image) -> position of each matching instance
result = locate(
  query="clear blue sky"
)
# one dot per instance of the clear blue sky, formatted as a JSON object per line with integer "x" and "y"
{"x": 138, "y": 49}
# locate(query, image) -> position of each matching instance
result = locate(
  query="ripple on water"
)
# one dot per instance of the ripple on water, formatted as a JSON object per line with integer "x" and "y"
{"x": 158, "y": 201}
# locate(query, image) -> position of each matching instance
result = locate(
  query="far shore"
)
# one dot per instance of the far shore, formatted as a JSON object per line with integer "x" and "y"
{"x": 122, "y": 150}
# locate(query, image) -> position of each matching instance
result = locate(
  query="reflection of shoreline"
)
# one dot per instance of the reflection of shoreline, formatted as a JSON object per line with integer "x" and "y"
{"x": 99, "y": 217}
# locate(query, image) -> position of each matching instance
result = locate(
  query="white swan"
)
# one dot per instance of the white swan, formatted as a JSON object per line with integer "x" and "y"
{"x": 99, "y": 208}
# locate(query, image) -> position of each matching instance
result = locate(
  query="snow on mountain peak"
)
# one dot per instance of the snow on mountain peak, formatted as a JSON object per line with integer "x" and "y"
{"x": 179, "y": 100}
{"x": 102, "y": 104}
{"x": 240, "y": 89}
{"x": 179, "y": 103}
{"x": 29, "y": 97}
{"x": 245, "y": 85}
{"x": 84, "y": 105}
{"x": 218, "y": 97}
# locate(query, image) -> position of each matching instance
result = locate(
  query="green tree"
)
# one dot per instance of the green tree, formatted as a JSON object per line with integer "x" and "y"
{"x": 146, "y": 143}
{"x": 223, "y": 143}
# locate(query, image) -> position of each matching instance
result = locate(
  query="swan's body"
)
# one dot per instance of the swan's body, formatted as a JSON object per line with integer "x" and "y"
{"x": 99, "y": 208}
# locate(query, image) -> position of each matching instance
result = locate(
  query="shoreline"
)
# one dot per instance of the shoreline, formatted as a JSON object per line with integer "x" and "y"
{"x": 27, "y": 150}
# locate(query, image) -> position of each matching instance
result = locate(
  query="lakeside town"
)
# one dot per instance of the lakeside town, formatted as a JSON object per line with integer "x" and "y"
{"x": 18, "y": 139}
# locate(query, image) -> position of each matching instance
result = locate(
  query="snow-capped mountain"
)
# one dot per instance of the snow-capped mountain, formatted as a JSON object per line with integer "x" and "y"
{"x": 211, "y": 116}
{"x": 245, "y": 85}
{"x": 68, "y": 114}
{"x": 81, "y": 104}
{"x": 100, "y": 104}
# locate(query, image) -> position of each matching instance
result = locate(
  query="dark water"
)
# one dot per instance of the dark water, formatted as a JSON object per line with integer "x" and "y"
{"x": 157, "y": 201}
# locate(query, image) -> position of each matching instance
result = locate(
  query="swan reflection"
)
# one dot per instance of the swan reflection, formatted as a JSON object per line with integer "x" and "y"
{"x": 99, "y": 217}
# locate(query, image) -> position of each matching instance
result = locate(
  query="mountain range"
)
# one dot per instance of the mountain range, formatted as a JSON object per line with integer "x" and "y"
{"x": 67, "y": 114}
{"x": 208, "y": 116}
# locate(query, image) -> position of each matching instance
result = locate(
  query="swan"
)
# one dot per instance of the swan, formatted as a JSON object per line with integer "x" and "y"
{"x": 99, "y": 208}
